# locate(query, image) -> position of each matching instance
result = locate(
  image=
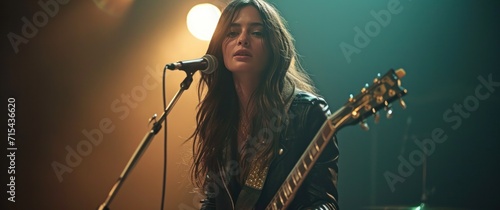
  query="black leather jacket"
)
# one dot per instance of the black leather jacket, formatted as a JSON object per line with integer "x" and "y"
{"x": 319, "y": 190}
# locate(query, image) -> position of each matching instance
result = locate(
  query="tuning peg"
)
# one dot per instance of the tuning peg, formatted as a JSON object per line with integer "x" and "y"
{"x": 388, "y": 108}
{"x": 351, "y": 98}
{"x": 389, "y": 113}
{"x": 377, "y": 79}
{"x": 364, "y": 125}
{"x": 376, "y": 115}
{"x": 365, "y": 88}
{"x": 402, "y": 103}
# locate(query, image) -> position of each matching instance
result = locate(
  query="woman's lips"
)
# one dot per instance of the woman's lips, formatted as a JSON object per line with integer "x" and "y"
{"x": 242, "y": 57}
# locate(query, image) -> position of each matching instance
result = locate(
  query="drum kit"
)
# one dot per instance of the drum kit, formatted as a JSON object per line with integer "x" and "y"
{"x": 420, "y": 207}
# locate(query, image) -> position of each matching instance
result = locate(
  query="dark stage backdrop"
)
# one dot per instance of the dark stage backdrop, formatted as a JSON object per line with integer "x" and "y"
{"x": 85, "y": 76}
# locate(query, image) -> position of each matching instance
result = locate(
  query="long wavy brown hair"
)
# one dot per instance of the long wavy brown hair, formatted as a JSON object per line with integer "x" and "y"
{"x": 218, "y": 113}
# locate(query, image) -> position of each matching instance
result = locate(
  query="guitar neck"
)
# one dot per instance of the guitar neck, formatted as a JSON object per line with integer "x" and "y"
{"x": 384, "y": 90}
{"x": 288, "y": 189}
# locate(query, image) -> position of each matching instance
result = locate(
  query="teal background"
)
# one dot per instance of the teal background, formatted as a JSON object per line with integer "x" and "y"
{"x": 66, "y": 78}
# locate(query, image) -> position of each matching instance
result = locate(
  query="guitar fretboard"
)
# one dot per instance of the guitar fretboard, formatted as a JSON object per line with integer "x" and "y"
{"x": 290, "y": 186}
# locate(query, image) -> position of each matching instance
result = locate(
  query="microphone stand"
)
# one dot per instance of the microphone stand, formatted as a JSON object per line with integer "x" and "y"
{"x": 146, "y": 140}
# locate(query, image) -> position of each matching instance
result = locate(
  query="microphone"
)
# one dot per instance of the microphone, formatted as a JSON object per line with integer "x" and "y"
{"x": 206, "y": 64}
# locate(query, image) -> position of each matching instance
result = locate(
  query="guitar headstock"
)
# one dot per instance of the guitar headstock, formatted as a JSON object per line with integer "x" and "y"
{"x": 379, "y": 95}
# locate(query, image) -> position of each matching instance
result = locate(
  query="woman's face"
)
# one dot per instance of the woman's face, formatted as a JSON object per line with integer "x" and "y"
{"x": 244, "y": 48}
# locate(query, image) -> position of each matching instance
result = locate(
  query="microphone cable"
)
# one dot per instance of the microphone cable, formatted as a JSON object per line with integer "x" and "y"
{"x": 163, "y": 191}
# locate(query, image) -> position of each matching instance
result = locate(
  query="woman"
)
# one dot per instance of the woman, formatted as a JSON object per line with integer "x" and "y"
{"x": 258, "y": 113}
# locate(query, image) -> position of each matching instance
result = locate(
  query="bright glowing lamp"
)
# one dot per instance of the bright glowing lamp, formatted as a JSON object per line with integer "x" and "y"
{"x": 202, "y": 19}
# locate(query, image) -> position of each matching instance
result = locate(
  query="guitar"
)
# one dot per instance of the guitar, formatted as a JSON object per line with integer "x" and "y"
{"x": 380, "y": 94}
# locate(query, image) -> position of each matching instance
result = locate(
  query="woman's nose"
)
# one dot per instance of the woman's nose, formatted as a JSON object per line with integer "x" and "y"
{"x": 243, "y": 39}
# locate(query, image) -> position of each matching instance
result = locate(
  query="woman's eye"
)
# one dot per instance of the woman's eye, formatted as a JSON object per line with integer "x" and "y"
{"x": 232, "y": 34}
{"x": 258, "y": 33}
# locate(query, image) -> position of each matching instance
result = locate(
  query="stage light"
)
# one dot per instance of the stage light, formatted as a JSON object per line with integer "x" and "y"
{"x": 202, "y": 19}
